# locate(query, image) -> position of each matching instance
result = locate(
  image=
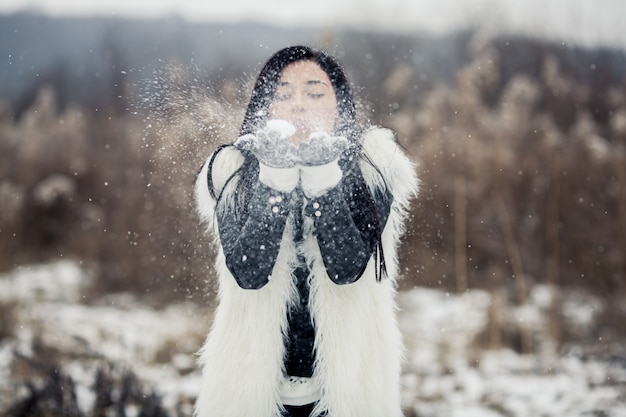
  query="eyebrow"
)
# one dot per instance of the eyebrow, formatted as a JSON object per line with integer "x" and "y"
{"x": 313, "y": 82}
{"x": 310, "y": 82}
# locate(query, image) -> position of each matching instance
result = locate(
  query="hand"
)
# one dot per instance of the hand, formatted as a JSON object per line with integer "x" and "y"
{"x": 321, "y": 148}
{"x": 277, "y": 156}
{"x": 271, "y": 145}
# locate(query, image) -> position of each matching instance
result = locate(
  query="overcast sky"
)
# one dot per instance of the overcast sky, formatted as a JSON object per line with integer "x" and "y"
{"x": 586, "y": 22}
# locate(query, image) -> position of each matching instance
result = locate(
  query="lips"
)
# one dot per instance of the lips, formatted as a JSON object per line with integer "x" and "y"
{"x": 301, "y": 125}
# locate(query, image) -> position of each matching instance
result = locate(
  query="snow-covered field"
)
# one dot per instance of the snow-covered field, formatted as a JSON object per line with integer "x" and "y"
{"x": 446, "y": 373}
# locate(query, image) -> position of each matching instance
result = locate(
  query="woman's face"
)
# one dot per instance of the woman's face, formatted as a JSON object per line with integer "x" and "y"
{"x": 305, "y": 98}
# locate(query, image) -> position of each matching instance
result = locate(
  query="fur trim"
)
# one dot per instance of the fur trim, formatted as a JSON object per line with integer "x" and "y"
{"x": 398, "y": 173}
{"x": 226, "y": 162}
{"x": 363, "y": 349}
{"x": 240, "y": 343}
{"x": 358, "y": 343}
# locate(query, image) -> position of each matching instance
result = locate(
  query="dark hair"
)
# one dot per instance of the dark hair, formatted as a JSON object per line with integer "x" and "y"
{"x": 265, "y": 88}
{"x": 355, "y": 190}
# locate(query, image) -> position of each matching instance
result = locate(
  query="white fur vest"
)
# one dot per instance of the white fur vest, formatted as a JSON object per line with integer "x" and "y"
{"x": 357, "y": 343}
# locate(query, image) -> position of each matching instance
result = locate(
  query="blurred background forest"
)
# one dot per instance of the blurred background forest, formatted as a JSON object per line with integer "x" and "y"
{"x": 520, "y": 144}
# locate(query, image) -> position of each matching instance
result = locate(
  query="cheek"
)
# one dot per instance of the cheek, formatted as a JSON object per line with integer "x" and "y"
{"x": 277, "y": 111}
{"x": 328, "y": 115}
{"x": 319, "y": 114}
{"x": 327, "y": 121}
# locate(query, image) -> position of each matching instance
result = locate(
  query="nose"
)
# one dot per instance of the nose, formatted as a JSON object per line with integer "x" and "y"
{"x": 297, "y": 105}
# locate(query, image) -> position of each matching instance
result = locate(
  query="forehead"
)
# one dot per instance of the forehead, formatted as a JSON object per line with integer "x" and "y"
{"x": 304, "y": 72}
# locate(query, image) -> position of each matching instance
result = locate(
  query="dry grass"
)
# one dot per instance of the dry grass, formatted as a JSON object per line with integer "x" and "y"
{"x": 8, "y": 319}
{"x": 47, "y": 390}
{"x": 523, "y": 179}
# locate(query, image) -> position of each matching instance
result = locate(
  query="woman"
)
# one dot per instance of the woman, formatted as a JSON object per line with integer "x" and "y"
{"x": 307, "y": 210}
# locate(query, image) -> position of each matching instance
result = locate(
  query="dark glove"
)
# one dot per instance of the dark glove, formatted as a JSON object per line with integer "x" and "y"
{"x": 271, "y": 145}
{"x": 321, "y": 148}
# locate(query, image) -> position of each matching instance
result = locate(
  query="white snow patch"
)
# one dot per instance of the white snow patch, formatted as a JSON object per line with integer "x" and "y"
{"x": 282, "y": 127}
{"x": 445, "y": 374}
{"x": 61, "y": 281}
{"x": 157, "y": 345}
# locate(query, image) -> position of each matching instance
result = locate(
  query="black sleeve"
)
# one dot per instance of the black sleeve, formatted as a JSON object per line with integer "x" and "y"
{"x": 345, "y": 246}
{"x": 251, "y": 241}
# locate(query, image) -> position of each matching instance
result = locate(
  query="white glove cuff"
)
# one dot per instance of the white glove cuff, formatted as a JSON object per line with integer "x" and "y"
{"x": 279, "y": 179}
{"x": 318, "y": 179}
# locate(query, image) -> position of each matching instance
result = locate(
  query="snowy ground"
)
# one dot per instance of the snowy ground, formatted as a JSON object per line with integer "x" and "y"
{"x": 446, "y": 373}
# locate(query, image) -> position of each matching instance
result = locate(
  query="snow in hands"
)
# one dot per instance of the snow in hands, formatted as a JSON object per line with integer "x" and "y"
{"x": 272, "y": 146}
